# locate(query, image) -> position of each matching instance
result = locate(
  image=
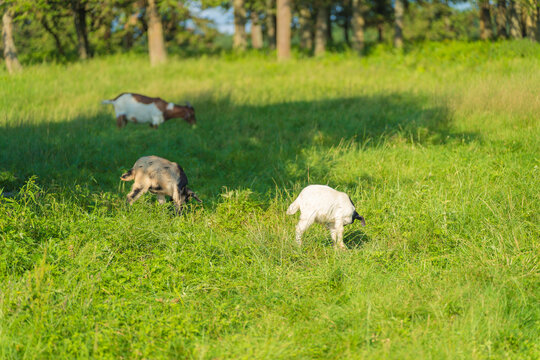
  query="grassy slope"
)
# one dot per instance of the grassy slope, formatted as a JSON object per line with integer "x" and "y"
{"x": 438, "y": 149}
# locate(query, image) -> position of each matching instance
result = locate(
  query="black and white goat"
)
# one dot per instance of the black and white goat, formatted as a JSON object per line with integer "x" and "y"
{"x": 324, "y": 205}
{"x": 161, "y": 177}
{"x": 138, "y": 108}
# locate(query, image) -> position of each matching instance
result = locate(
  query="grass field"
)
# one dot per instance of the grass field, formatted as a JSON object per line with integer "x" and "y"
{"x": 439, "y": 148}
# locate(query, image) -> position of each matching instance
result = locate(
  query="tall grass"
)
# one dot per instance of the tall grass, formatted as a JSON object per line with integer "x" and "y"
{"x": 438, "y": 148}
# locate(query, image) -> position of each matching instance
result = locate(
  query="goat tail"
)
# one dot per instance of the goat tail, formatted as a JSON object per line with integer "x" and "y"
{"x": 107, "y": 102}
{"x": 293, "y": 208}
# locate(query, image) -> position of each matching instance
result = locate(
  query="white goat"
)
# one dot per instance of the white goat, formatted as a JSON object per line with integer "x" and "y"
{"x": 144, "y": 109}
{"x": 322, "y": 204}
{"x": 161, "y": 177}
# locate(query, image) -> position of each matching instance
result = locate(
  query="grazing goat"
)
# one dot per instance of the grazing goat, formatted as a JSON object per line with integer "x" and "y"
{"x": 143, "y": 109}
{"x": 161, "y": 177}
{"x": 322, "y": 204}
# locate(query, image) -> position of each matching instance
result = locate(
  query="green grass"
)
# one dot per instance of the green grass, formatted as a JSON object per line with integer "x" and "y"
{"x": 438, "y": 148}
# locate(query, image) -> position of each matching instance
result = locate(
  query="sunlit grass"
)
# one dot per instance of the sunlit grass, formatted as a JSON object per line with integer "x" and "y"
{"x": 437, "y": 147}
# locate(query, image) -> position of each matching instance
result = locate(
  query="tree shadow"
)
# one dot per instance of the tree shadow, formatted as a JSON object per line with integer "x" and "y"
{"x": 234, "y": 145}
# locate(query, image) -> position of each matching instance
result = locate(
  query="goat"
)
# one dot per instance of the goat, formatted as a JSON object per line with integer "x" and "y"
{"x": 143, "y": 109}
{"x": 324, "y": 205}
{"x": 161, "y": 177}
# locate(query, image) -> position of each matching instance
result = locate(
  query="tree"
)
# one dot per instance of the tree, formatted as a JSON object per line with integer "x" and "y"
{"x": 57, "y": 16}
{"x": 79, "y": 10}
{"x": 48, "y": 21}
{"x": 344, "y": 17}
{"x": 239, "y": 39}
{"x": 305, "y": 20}
{"x": 538, "y": 21}
{"x": 485, "y": 20}
{"x": 271, "y": 23}
{"x": 501, "y": 19}
{"x": 10, "y": 51}
{"x": 321, "y": 30}
{"x": 515, "y": 14}
{"x": 358, "y": 22}
{"x": 129, "y": 18}
{"x": 156, "y": 42}
{"x": 51, "y": 15}
{"x": 528, "y": 15}
{"x": 284, "y": 18}
{"x": 256, "y": 24}
{"x": 256, "y": 31}
{"x": 329, "y": 34}
{"x": 380, "y": 12}
{"x": 399, "y": 10}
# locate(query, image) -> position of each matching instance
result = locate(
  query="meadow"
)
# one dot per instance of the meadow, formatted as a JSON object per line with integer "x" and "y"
{"x": 438, "y": 147}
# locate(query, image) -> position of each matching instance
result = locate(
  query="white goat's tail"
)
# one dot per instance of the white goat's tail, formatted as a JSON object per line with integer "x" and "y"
{"x": 293, "y": 208}
{"x": 107, "y": 102}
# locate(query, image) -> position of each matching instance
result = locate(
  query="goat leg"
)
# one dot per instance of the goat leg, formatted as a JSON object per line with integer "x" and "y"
{"x": 121, "y": 121}
{"x": 136, "y": 193}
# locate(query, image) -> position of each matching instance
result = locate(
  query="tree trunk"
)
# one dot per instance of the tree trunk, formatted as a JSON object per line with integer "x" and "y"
{"x": 127, "y": 40}
{"x": 485, "y": 20}
{"x": 284, "y": 18}
{"x": 538, "y": 22}
{"x": 380, "y": 32}
{"x": 239, "y": 39}
{"x": 358, "y": 23}
{"x": 501, "y": 19}
{"x": 79, "y": 19}
{"x": 347, "y": 22}
{"x": 306, "y": 28}
{"x": 529, "y": 23}
{"x": 256, "y": 31}
{"x": 515, "y": 14}
{"x": 399, "y": 10}
{"x": 49, "y": 29}
{"x": 156, "y": 42}
{"x": 321, "y": 30}
{"x": 107, "y": 35}
{"x": 271, "y": 23}
{"x": 10, "y": 51}
{"x": 329, "y": 36}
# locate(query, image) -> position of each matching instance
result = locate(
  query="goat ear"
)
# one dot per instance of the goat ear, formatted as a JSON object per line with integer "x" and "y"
{"x": 127, "y": 176}
{"x": 192, "y": 194}
{"x": 362, "y": 220}
{"x": 356, "y": 216}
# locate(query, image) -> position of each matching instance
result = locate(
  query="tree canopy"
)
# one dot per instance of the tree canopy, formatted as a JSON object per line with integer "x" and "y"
{"x": 65, "y": 30}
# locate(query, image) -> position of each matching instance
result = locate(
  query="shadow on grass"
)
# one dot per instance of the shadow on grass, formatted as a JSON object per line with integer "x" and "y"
{"x": 234, "y": 146}
{"x": 355, "y": 238}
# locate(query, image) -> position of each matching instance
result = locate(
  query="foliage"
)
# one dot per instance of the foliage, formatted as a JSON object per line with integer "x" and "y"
{"x": 45, "y": 28}
{"x": 437, "y": 21}
{"x": 445, "y": 172}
